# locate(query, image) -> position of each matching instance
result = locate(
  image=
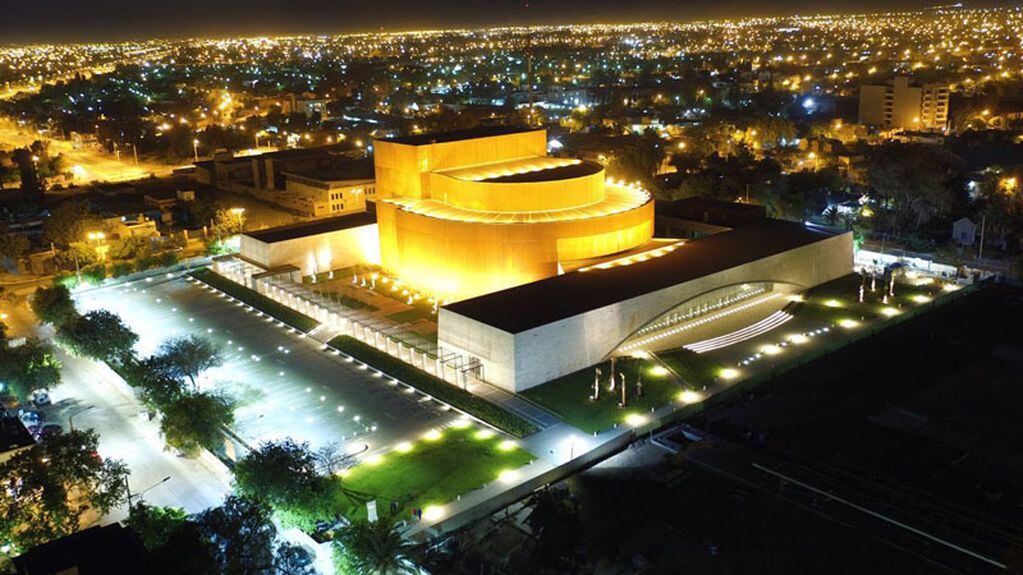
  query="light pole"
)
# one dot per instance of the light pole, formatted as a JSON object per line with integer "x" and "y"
{"x": 195, "y": 149}
{"x": 127, "y": 489}
{"x": 135, "y": 152}
{"x": 70, "y": 422}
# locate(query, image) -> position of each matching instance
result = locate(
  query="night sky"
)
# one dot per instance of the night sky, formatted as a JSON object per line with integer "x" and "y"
{"x": 80, "y": 20}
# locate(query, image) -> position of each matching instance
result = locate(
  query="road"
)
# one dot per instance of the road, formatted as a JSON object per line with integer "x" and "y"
{"x": 92, "y": 396}
{"x": 87, "y": 164}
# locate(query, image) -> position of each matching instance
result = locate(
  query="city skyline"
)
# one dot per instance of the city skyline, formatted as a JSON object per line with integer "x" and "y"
{"x": 69, "y": 21}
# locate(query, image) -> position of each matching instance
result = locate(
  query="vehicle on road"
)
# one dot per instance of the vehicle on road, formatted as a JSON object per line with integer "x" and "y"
{"x": 41, "y": 398}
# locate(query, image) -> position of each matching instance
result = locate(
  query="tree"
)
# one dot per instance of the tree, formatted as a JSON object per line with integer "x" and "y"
{"x": 242, "y": 536}
{"x": 189, "y": 356}
{"x": 31, "y": 183}
{"x": 28, "y": 367}
{"x": 377, "y": 548}
{"x": 638, "y": 159}
{"x": 912, "y": 184}
{"x": 99, "y": 335}
{"x": 194, "y": 421}
{"x": 46, "y": 489}
{"x": 283, "y": 474}
{"x": 154, "y": 386}
{"x": 53, "y": 305}
{"x": 331, "y": 458}
{"x": 174, "y": 542}
{"x": 69, "y": 222}
{"x": 13, "y": 246}
{"x": 234, "y": 538}
{"x": 154, "y": 525}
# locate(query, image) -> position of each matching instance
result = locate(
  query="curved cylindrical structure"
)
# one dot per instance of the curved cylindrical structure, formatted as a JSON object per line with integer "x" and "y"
{"x": 457, "y": 227}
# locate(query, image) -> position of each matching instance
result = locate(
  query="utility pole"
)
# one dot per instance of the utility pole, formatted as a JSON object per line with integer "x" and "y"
{"x": 980, "y": 253}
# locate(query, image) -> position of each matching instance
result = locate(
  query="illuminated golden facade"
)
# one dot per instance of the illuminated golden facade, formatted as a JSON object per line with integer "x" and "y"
{"x": 465, "y": 214}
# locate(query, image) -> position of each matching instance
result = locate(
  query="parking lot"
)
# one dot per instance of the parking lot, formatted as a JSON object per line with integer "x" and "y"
{"x": 286, "y": 385}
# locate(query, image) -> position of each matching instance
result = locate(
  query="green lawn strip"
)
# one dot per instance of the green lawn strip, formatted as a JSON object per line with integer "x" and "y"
{"x": 255, "y": 299}
{"x": 413, "y": 315}
{"x": 432, "y": 473}
{"x": 695, "y": 369}
{"x": 438, "y": 388}
{"x": 839, "y": 299}
{"x": 569, "y": 396}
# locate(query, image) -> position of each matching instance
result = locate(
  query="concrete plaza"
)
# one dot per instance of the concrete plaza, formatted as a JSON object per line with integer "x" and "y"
{"x": 286, "y": 384}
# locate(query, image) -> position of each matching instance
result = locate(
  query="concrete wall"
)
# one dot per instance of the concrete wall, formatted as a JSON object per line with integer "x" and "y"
{"x": 455, "y": 259}
{"x": 402, "y": 169}
{"x": 562, "y": 347}
{"x": 318, "y": 253}
{"x": 518, "y": 196}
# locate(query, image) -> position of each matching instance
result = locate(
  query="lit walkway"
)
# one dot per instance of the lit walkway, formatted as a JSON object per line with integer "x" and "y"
{"x": 763, "y": 326}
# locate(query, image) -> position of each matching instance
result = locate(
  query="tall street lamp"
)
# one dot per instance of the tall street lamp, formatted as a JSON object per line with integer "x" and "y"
{"x": 195, "y": 149}
{"x": 70, "y": 421}
{"x": 127, "y": 489}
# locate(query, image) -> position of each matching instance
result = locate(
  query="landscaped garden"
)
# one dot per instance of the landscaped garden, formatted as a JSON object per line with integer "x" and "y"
{"x": 430, "y": 471}
{"x": 838, "y": 301}
{"x": 675, "y": 378}
{"x": 434, "y": 386}
{"x": 278, "y": 311}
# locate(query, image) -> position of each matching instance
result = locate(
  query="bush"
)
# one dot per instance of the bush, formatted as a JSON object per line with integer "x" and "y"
{"x": 438, "y": 388}
{"x": 168, "y": 259}
{"x": 122, "y": 269}
{"x": 94, "y": 274}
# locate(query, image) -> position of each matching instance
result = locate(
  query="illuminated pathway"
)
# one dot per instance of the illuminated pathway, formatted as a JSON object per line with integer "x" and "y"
{"x": 763, "y": 326}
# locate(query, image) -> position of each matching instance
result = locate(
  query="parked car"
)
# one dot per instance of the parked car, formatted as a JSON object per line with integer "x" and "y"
{"x": 41, "y": 398}
{"x": 29, "y": 417}
{"x": 48, "y": 431}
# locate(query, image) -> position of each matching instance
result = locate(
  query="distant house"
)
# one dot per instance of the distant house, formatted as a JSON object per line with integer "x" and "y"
{"x": 964, "y": 231}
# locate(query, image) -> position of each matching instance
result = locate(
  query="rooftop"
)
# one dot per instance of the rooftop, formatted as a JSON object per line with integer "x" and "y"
{"x": 312, "y": 228}
{"x": 108, "y": 549}
{"x": 531, "y": 305}
{"x": 457, "y": 135}
{"x": 13, "y": 434}
{"x": 354, "y": 170}
{"x": 716, "y": 212}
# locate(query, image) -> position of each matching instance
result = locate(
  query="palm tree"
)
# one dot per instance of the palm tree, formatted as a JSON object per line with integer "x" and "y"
{"x": 372, "y": 548}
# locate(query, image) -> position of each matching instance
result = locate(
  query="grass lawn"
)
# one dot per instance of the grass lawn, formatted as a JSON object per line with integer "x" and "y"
{"x": 431, "y": 471}
{"x": 438, "y": 388}
{"x": 569, "y": 396}
{"x": 420, "y": 310}
{"x": 280, "y": 312}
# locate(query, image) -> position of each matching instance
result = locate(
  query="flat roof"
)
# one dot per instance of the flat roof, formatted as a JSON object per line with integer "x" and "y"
{"x": 312, "y": 228}
{"x": 354, "y": 170}
{"x": 531, "y": 305}
{"x": 13, "y": 434}
{"x": 457, "y": 135}
{"x": 709, "y": 211}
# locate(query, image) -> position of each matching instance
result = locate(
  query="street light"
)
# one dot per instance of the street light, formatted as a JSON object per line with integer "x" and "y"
{"x": 195, "y": 149}
{"x": 127, "y": 489}
{"x": 70, "y": 422}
